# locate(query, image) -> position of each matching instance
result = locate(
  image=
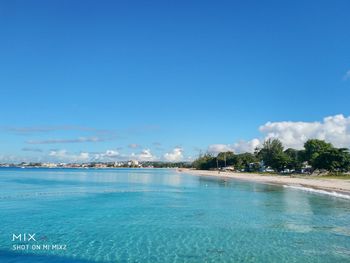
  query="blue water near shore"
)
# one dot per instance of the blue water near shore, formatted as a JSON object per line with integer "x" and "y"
{"x": 149, "y": 215}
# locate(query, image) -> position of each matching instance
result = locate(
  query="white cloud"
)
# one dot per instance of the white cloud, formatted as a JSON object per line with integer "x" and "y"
{"x": 63, "y": 155}
{"x": 108, "y": 155}
{"x": 334, "y": 129}
{"x": 175, "y": 155}
{"x": 145, "y": 155}
{"x": 84, "y": 156}
{"x": 347, "y": 75}
{"x": 190, "y": 159}
{"x": 60, "y": 154}
{"x": 112, "y": 153}
{"x": 246, "y": 146}
{"x": 217, "y": 148}
{"x": 241, "y": 146}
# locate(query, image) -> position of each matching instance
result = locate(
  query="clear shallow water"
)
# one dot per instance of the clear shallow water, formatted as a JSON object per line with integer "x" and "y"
{"x": 134, "y": 215}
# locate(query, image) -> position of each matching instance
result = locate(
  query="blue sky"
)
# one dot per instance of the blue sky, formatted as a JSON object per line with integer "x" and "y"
{"x": 166, "y": 77}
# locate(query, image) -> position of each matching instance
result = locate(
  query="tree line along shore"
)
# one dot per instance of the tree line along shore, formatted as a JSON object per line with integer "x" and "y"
{"x": 318, "y": 157}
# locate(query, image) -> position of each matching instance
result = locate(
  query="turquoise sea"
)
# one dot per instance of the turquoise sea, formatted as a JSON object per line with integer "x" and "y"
{"x": 159, "y": 215}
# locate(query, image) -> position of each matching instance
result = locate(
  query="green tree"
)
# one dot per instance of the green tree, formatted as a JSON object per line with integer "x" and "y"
{"x": 227, "y": 158}
{"x": 243, "y": 160}
{"x": 205, "y": 162}
{"x": 295, "y": 159}
{"x": 313, "y": 148}
{"x": 333, "y": 160}
{"x": 273, "y": 155}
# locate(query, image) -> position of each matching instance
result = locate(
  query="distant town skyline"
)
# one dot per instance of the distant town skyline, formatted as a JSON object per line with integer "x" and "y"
{"x": 85, "y": 81}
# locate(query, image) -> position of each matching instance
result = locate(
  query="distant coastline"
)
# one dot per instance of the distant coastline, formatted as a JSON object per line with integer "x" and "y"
{"x": 82, "y": 168}
{"x": 100, "y": 165}
{"x": 337, "y": 187}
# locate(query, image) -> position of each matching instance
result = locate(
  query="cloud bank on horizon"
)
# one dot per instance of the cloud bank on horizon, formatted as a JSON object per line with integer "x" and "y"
{"x": 175, "y": 155}
{"x": 334, "y": 129}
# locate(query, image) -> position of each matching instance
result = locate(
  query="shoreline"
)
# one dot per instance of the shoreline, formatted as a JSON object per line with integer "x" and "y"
{"x": 325, "y": 185}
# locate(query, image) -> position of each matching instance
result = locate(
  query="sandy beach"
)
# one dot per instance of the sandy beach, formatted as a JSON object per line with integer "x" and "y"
{"x": 341, "y": 186}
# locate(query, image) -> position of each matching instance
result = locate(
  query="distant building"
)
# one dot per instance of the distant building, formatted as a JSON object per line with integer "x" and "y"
{"x": 118, "y": 164}
{"x": 100, "y": 165}
{"x": 133, "y": 163}
{"x": 49, "y": 165}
